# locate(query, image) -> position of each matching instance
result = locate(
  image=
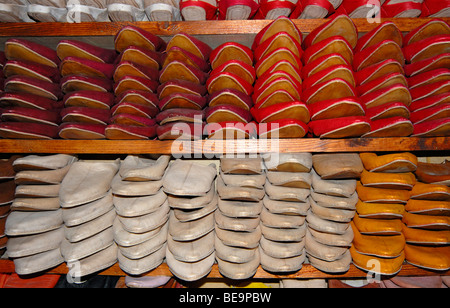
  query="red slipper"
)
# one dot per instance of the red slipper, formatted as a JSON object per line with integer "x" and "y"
{"x": 140, "y": 97}
{"x": 237, "y": 9}
{"x": 231, "y": 130}
{"x": 293, "y": 110}
{"x": 359, "y": 8}
{"x": 276, "y": 97}
{"x": 230, "y": 97}
{"x": 180, "y": 114}
{"x": 428, "y": 29}
{"x": 128, "y": 132}
{"x": 344, "y": 72}
{"x": 28, "y": 101}
{"x": 430, "y": 101}
{"x": 31, "y": 69}
{"x": 21, "y": 49}
{"x": 430, "y": 90}
{"x": 180, "y": 86}
{"x": 390, "y": 127}
{"x": 79, "y": 66}
{"x": 24, "y": 84}
{"x": 238, "y": 68}
{"x": 387, "y": 49}
{"x": 135, "y": 83}
{"x": 388, "y": 110}
{"x": 134, "y": 36}
{"x": 316, "y": 9}
{"x": 440, "y": 61}
{"x": 331, "y": 89}
{"x": 92, "y": 99}
{"x": 132, "y": 120}
{"x": 377, "y": 70}
{"x": 435, "y": 128}
{"x": 273, "y": 9}
{"x": 227, "y": 113}
{"x": 176, "y": 53}
{"x": 427, "y": 48}
{"x": 225, "y": 80}
{"x": 381, "y": 83}
{"x": 82, "y": 131}
{"x": 435, "y": 9}
{"x": 134, "y": 109}
{"x": 280, "y": 54}
{"x": 281, "y": 39}
{"x": 74, "y": 48}
{"x": 180, "y": 70}
{"x": 323, "y": 63}
{"x": 79, "y": 83}
{"x": 268, "y": 77}
{"x": 439, "y": 74}
{"x": 190, "y": 44}
{"x": 336, "y": 108}
{"x": 282, "y": 23}
{"x": 197, "y": 10}
{"x": 347, "y": 127}
{"x": 430, "y": 114}
{"x": 126, "y": 68}
{"x": 409, "y": 9}
{"x": 30, "y": 115}
{"x": 343, "y": 23}
{"x": 180, "y": 130}
{"x": 280, "y": 83}
{"x": 182, "y": 100}
{"x": 230, "y": 51}
{"x": 141, "y": 56}
{"x": 285, "y": 66}
{"x": 85, "y": 115}
{"x": 20, "y": 130}
{"x": 334, "y": 44}
{"x": 385, "y": 31}
{"x": 285, "y": 128}
{"x": 394, "y": 93}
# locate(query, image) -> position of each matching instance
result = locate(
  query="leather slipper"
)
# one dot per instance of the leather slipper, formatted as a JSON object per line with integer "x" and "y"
{"x": 21, "y": 114}
{"x": 241, "y": 224}
{"x": 283, "y": 193}
{"x": 246, "y": 180}
{"x": 392, "y": 9}
{"x": 338, "y": 188}
{"x": 425, "y": 91}
{"x": 281, "y": 39}
{"x": 85, "y": 115}
{"x": 134, "y": 36}
{"x": 385, "y": 31}
{"x": 338, "y": 266}
{"x": 135, "y": 83}
{"x": 237, "y": 209}
{"x": 428, "y": 78}
{"x": 378, "y": 70}
{"x": 147, "y": 222}
{"x": 433, "y": 128}
{"x": 180, "y": 130}
{"x": 337, "y": 202}
{"x": 339, "y": 240}
{"x": 237, "y": 10}
{"x": 87, "y": 247}
{"x": 27, "y": 223}
{"x": 294, "y": 110}
{"x": 141, "y": 56}
{"x": 433, "y": 173}
{"x": 26, "y": 100}
{"x": 226, "y": 80}
{"x": 394, "y": 93}
{"x": 239, "y": 68}
{"x": 21, "y": 49}
{"x": 134, "y": 109}
{"x": 45, "y": 162}
{"x": 387, "y": 266}
{"x": 34, "y": 86}
{"x": 344, "y": 72}
{"x": 239, "y": 271}
{"x": 269, "y": 76}
{"x": 381, "y": 195}
{"x": 290, "y": 179}
{"x": 427, "y": 222}
{"x": 182, "y": 100}
{"x": 424, "y": 237}
{"x": 316, "y": 9}
{"x": 81, "y": 131}
{"x": 387, "y": 49}
{"x": 89, "y": 68}
{"x": 274, "y": 98}
{"x": 339, "y": 87}
{"x": 79, "y": 49}
{"x": 282, "y": 66}
{"x": 190, "y": 230}
{"x": 272, "y": 58}
{"x": 190, "y": 215}
{"x": 404, "y": 180}
{"x": 269, "y": 9}
{"x": 336, "y": 108}
{"x": 384, "y": 227}
{"x": 232, "y": 192}
{"x": 337, "y": 166}
{"x": 281, "y": 23}
{"x": 199, "y": 10}
{"x": 436, "y": 62}
{"x": 180, "y": 86}
{"x": 432, "y": 113}
{"x": 381, "y": 83}
{"x": 192, "y": 203}
{"x": 279, "y": 83}
{"x": 321, "y": 251}
{"x": 126, "y": 11}
{"x": 30, "y": 177}
{"x": 31, "y": 69}
{"x": 129, "y": 132}
{"x": 388, "y": 110}
{"x": 180, "y": 70}
{"x": 230, "y": 51}
{"x": 135, "y": 168}
{"x": 232, "y": 254}
{"x": 434, "y": 258}
{"x": 229, "y": 97}
{"x": 20, "y": 130}
{"x": 427, "y": 48}
{"x": 346, "y": 127}
{"x": 144, "y": 264}
{"x": 397, "y": 162}
{"x": 231, "y": 130}
{"x": 431, "y": 9}
{"x": 247, "y": 165}
{"x": 78, "y": 83}
{"x": 191, "y": 44}
{"x": 333, "y": 44}
{"x": 342, "y": 22}
{"x": 249, "y": 239}
{"x": 281, "y": 250}
{"x": 284, "y": 128}
{"x": 428, "y": 29}
{"x": 189, "y": 271}
{"x": 192, "y": 251}
{"x": 423, "y": 191}
{"x": 390, "y": 127}
{"x": 140, "y": 97}
{"x": 127, "y": 68}
{"x": 132, "y": 120}
{"x": 322, "y": 63}
{"x": 380, "y": 210}
{"x": 180, "y": 114}
{"x": 176, "y": 53}
{"x": 284, "y": 235}
{"x": 89, "y": 99}
{"x": 38, "y": 262}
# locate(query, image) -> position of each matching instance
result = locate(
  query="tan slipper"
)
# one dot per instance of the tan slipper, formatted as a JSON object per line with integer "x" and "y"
{"x": 80, "y": 232}
{"x": 192, "y": 251}
{"x": 288, "y": 162}
{"x": 234, "y": 208}
{"x": 234, "y": 254}
{"x": 239, "y": 239}
{"x": 148, "y": 222}
{"x": 281, "y": 265}
{"x": 321, "y": 251}
{"x": 137, "y": 206}
{"x": 337, "y": 166}
{"x": 192, "y": 203}
{"x": 26, "y": 223}
{"x": 142, "y": 265}
{"x": 236, "y": 224}
{"x": 189, "y": 271}
{"x": 284, "y": 235}
{"x": 286, "y": 207}
{"x": 190, "y": 230}
{"x": 326, "y": 226}
{"x": 239, "y": 271}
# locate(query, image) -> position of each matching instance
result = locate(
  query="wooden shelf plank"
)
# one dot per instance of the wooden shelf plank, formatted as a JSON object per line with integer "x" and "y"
{"x": 307, "y": 272}
{"x": 213, "y": 147}
{"x": 220, "y": 27}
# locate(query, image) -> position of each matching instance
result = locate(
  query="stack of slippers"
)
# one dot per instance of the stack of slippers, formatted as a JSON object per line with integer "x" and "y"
{"x": 329, "y": 83}
{"x": 426, "y": 220}
{"x": 182, "y": 100}
{"x": 48, "y": 10}
{"x": 15, "y": 11}
{"x": 35, "y": 226}
{"x": 431, "y": 8}
{"x": 135, "y": 85}
{"x": 87, "y": 11}
{"x": 140, "y": 229}
{"x": 381, "y": 84}
{"x": 192, "y": 197}
{"x": 192, "y": 10}
{"x": 240, "y": 186}
{"x": 126, "y": 10}
{"x": 8, "y": 189}
{"x": 86, "y": 72}
{"x": 31, "y": 91}
{"x": 383, "y": 191}
{"x": 88, "y": 213}
{"x": 401, "y": 9}
{"x": 277, "y": 90}
{"x": 230, "y": 85}
{"x": 283, "y": 218}
{"x": 426, "y": 53}
{"x": 165, "y": 10}
{"x": 333, "y": 203}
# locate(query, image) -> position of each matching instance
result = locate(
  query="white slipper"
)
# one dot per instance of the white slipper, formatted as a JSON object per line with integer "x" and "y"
{"x": 14, "y": 13}
{"x": 47, "y": 13}
{"x": 87, "y": 11}
{"x": 162, "y": 10}
{"x": 126, "y": 10}
{"x": 198, "y": 10}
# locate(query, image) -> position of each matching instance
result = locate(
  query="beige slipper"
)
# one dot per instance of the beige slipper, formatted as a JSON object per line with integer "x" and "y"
{"x": 284, "y": 235}
{"x": 37, "y": 191}
{"x": 125, "y": 239}
{"x": 281, "y": 265}
{"x": 35, "y": 204}
{"x": 244, "y": 180}
{"x": 233, "y": 254}
{"x": 236, "y": 224}
{"x": 38, "y": 262}
{"x": 336, "y": 202}
{"x": 148, "y": 222}
{"x": 341, "y": 240}
{"x": 239, "y": 271}
{"x": 135, "y": 168}
{"x": 286, "y": 207}
{"x": 338, "y": 266}
{"x": 162, "y": 10}
{"x": 290, "y": 179}
{"x": 138, "y": 206}
{"x": 189, "y": 215}
{"x": 238, "y": 192}
{"x": 191, "y": 203}
{"x": 26, "y": 223}
{"x": 321, "y": 251}
{"x": 239, "y": 239}
{"x": 281, "y": 221}
{"x": 337, "y": 166}
{"x": 134, "y": 189}
{"x": 288, "y": 162}
{"x": 94, "y": 263}
{"x": 286, "y": 193}
{"x": 339, "y": 188}
{"x": 190, "y": 230}
{"x": 150, "y": 246}
{"x": 80, "y": 232}
{"x": 234, "y": 208}
{"x": 32, "y": 177}
{"x": 48, "y": 162}
{"x": 326, "y": 226}
{"x": 282, "y": 250}
{"x": 142, "y": 265}
{"x": 189, "y": 271}
{"x": 332, "y": 214}
{"x": 22, "y": 246}
{"x": 192, "y": 251}
{"x": 247, "y": 165}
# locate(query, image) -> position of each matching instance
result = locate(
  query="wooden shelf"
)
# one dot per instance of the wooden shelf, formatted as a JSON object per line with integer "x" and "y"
{"x": 312, "y": 145}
